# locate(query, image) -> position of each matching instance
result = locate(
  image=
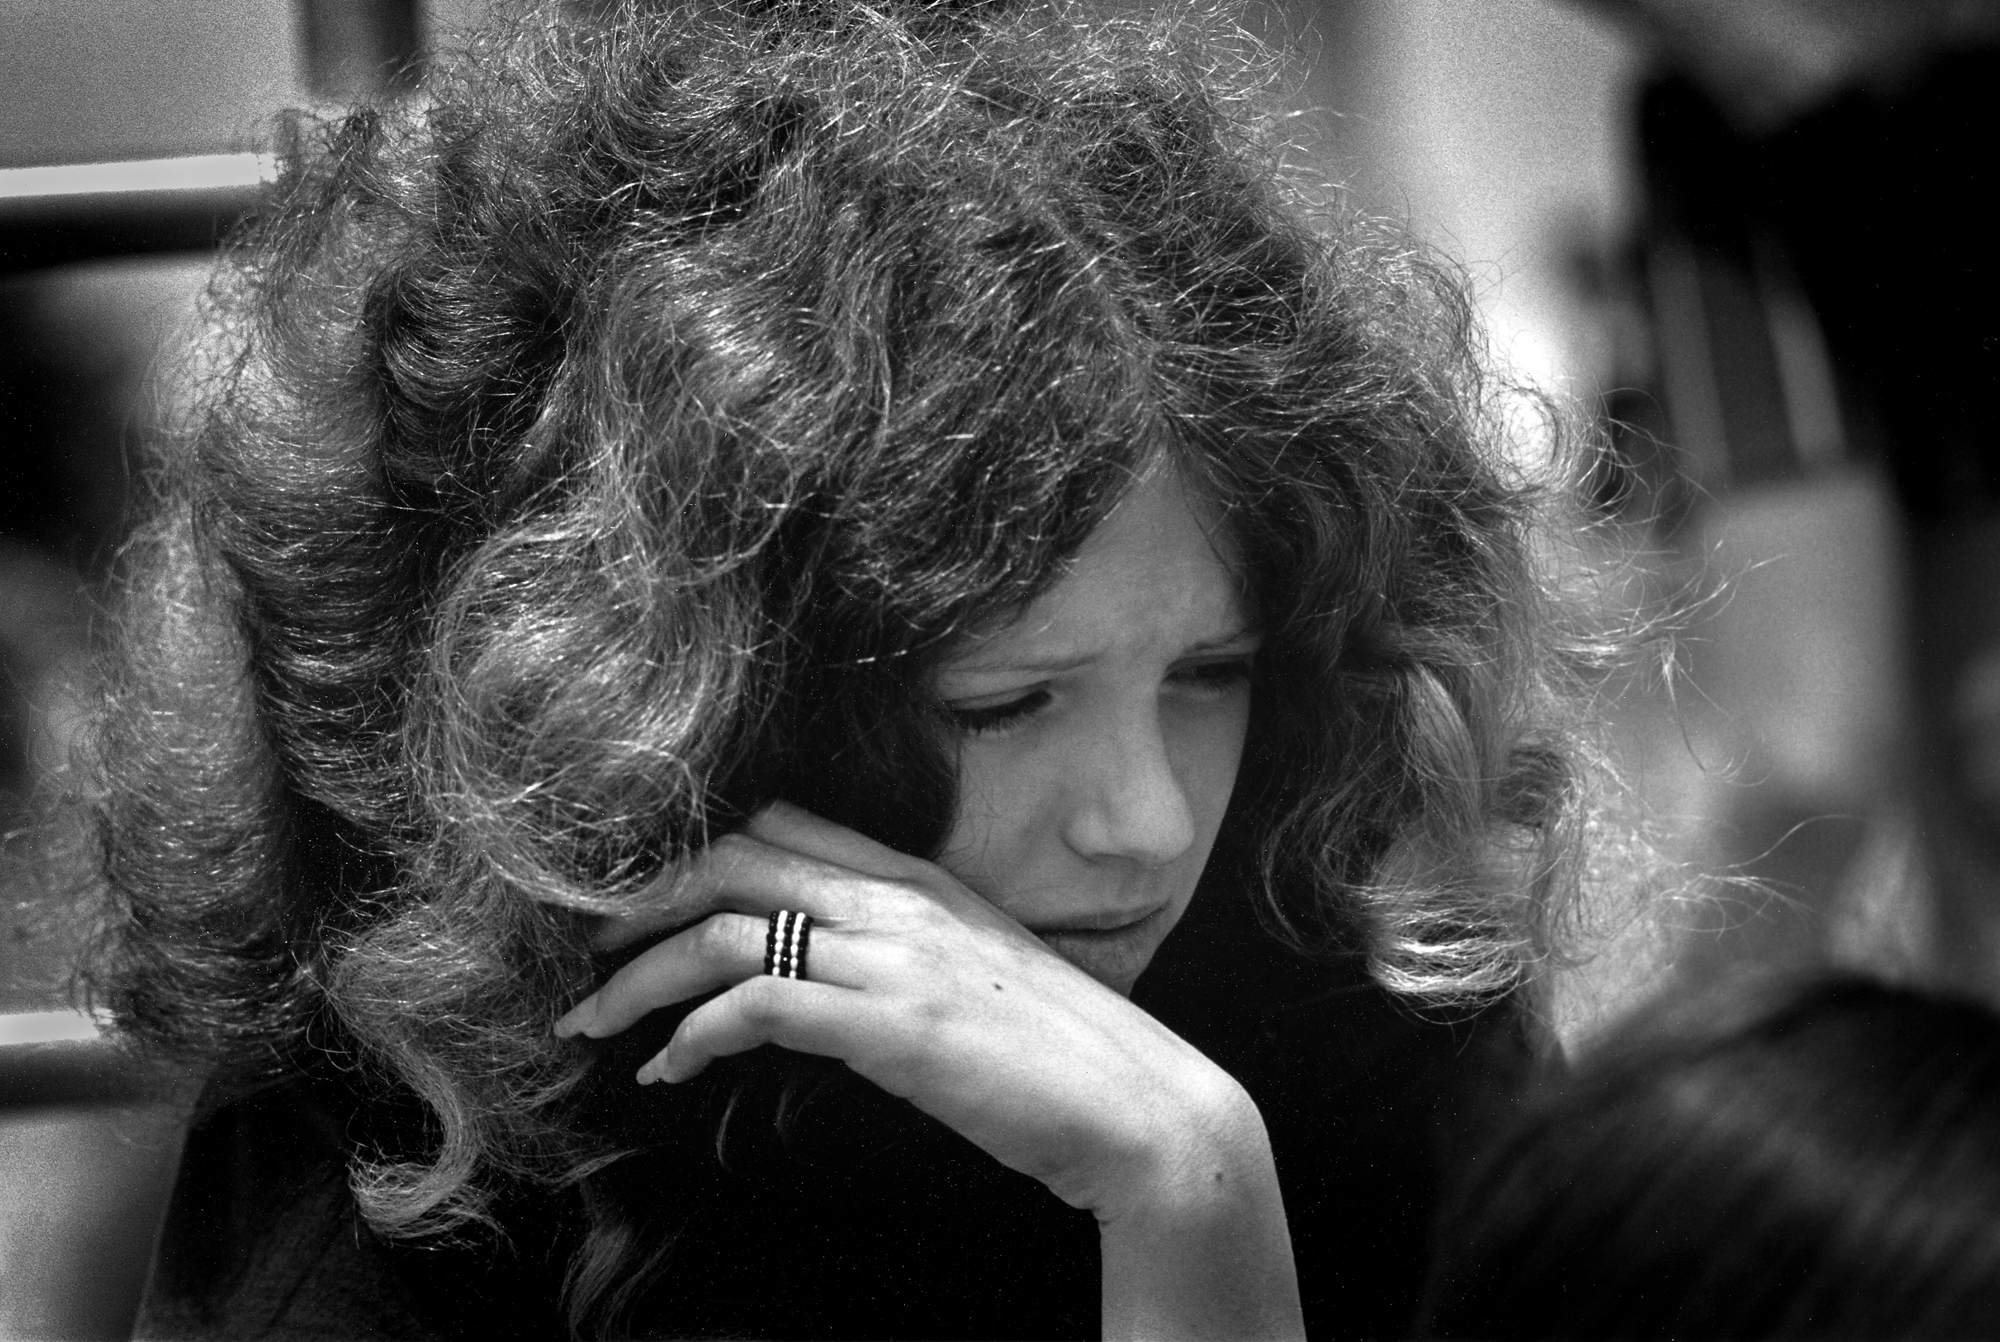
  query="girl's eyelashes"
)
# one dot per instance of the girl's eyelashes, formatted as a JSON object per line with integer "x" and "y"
{"x": 1210, "y": 677}
{"x": 995, "y": 717}
{"x": 1215, "y": 676}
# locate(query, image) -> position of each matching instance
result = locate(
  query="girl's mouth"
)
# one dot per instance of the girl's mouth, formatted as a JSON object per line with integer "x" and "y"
{"x": 1116, "y": 953}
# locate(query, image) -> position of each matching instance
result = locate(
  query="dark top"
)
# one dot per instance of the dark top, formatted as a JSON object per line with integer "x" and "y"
{"x": 866, "y": 1219}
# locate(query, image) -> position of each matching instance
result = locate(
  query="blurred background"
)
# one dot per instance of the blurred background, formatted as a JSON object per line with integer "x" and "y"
{"x": 1739, "y": 234}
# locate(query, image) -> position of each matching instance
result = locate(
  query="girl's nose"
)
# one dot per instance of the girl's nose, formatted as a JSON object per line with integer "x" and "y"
{"x": 1126, "y": 800}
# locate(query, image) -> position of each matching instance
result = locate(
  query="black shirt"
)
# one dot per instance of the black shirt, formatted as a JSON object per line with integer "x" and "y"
{"x": 857, "y": 1216}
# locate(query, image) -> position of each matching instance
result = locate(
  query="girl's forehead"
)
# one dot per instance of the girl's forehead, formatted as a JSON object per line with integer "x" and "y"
{"x": 1157, "y": 575}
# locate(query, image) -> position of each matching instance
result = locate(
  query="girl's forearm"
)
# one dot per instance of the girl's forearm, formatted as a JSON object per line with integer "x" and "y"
{"x": 1205, "y": 1251}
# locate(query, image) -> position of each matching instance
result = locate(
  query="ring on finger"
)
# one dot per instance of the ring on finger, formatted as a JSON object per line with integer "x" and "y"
{"x": 785, "y": 944}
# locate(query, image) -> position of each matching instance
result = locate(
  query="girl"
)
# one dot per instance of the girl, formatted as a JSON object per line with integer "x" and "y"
{"x": 884, "y": 533}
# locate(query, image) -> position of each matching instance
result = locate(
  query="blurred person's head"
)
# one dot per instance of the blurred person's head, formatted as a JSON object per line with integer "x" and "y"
{"x": 1770, "y": 1161}
{"x": 1767, "y": 61}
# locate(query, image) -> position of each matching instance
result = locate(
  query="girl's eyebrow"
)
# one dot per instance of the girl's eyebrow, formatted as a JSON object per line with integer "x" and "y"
{"x": 1058, "y": 662}
{"x": 1249, "y": 632}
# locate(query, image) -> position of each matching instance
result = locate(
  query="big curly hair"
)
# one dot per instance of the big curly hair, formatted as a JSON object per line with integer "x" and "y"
{"x": 610, "y": 440}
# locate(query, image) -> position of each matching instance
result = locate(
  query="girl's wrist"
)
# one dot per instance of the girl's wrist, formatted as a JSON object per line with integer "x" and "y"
{"x": 1200, "y": 1248}
{"x": 1204, "y": 1157}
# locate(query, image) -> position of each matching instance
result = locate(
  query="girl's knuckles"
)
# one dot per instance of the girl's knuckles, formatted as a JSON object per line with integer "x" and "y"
{"x": 898, "y": 961}
{"x": 719, "y": 938}
{"x": 930, "y": 1020}
{"x": 725, "y": 857}
{"x": 761, "y": 1003}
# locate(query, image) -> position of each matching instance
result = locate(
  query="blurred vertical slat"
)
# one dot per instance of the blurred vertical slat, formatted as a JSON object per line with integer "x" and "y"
{"x": 352, "y": 50}
{"x": 154, "y": 99}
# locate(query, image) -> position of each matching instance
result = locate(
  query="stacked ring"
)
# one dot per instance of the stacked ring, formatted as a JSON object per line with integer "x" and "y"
{"x": 785, "y": 944}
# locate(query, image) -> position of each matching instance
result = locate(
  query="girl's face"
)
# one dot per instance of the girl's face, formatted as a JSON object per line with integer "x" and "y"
{"x": 1101, "y": 735}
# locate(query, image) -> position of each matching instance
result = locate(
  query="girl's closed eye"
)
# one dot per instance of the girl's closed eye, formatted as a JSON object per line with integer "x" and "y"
{"x": 1214, "y": 677}
{"x": 982, "y": 718}
{"x": 1207, "y": 677}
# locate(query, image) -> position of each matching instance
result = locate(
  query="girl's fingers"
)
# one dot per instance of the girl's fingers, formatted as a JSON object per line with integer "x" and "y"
{"x": 720, "y": 950}
{"x": 620, "y": 930}
{"x": 715, "y": 953}
{"x": 744, "y": 874}
{"x": 868, "y": 870}
{"x": 797, "y": 830}
{"x": 798, "y": 1014}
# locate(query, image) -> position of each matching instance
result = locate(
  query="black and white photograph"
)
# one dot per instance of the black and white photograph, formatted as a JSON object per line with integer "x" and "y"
{"x": 999, "y": 669}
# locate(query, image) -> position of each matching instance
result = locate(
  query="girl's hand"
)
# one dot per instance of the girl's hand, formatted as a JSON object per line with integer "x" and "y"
{"x": 931, "y": 993}
{"x": 937, "y": 996}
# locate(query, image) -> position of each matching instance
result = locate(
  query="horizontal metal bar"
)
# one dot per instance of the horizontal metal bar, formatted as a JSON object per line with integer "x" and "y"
{"x": 59, "y": 213}
{"x": 47, "y": 1027}
{"x": 57, "y": 1059}
{"x": 191, "y": 172}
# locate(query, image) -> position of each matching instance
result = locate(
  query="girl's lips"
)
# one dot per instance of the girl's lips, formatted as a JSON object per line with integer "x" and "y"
{"x": 1102, "y": 925}
{"x": 1115, "y": 955}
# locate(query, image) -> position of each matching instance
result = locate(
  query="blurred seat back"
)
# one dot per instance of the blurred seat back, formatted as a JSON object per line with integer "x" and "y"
{"x": 89, "y": 1142}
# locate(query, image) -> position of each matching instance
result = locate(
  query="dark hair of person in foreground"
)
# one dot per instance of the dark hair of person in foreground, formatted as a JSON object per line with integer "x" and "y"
{"x": 1819, "y": 1161}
